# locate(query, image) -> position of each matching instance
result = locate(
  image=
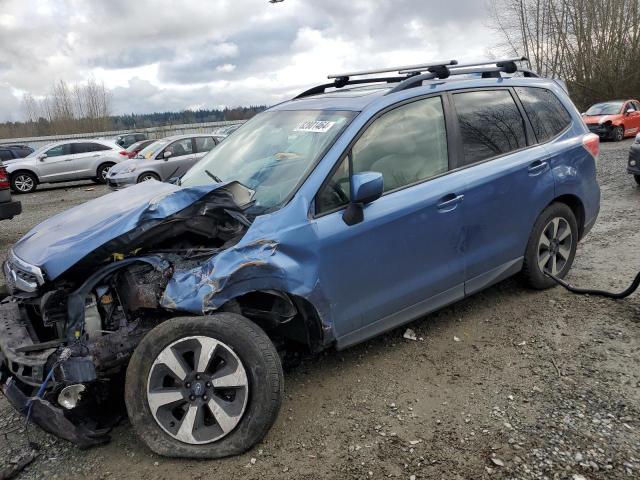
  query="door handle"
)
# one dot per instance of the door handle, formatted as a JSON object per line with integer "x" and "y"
{"x": 449, "y": 202}
{"x": 538, "y": 166}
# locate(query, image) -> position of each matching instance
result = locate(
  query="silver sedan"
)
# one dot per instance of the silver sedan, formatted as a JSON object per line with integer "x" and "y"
{"x": 163, "y": 159}
{"x": 64, "y": 161}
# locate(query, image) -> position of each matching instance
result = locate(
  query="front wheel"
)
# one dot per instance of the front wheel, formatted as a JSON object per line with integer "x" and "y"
{"x": 145, "y": 177}
{"x": 24, "y": 182}
{"x": 551, "y": 247}
{"x": 204, "y": 387}
{"x": 618, "y": 134}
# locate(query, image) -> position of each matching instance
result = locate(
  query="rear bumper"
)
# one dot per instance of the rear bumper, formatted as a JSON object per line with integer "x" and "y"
{"x": 10, "y": 209}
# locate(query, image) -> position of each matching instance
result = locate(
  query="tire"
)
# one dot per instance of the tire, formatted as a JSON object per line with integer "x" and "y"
{"x": 244, "y": 347}
{"x": 23, "y": 182}
{"x": 637, "y": 179}
{"x": 617, "y": 135}
{"x": 535, "y": 253}
{"x": 101, "y": 172}
{"x": 147, "y": 176}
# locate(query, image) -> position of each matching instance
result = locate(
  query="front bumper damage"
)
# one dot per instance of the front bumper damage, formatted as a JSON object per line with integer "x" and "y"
{"x": 52, "y": 419}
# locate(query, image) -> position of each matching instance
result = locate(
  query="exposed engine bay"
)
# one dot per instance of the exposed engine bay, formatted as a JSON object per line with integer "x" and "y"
{"x": 71, "y": 339}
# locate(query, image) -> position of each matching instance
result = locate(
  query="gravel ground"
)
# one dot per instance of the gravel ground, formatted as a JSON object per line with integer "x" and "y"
{"x": 509, "y": 383}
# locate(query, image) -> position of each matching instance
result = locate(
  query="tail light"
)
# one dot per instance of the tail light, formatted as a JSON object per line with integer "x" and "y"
{"x": 132, "y": 154}
{"x": 124, "y": 153}
{"x": 4, "y": 178}
{"x": 591, "y": 142}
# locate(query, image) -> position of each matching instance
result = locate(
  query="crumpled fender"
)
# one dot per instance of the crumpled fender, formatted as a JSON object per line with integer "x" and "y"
{"x": 287, "y": 263}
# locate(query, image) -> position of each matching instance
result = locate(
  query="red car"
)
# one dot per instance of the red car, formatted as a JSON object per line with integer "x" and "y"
{"x": 614, "y": 120}
{"x": 135, "y": 148}
{"x": 8, "y": 208}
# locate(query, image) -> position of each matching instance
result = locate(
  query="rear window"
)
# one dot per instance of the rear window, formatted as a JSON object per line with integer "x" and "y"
{"x": 546, "y": 113}
{"x": 490, "y": 124}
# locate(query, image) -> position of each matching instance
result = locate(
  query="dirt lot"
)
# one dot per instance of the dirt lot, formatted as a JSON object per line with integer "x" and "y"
{"x": 507, "y": 384}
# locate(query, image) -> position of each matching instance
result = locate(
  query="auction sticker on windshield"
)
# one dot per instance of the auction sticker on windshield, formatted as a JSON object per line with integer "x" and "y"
{"x": 316, "y": 126}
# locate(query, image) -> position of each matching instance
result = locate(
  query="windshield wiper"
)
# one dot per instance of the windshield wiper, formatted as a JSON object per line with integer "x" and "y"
{"x": 213, "y": 177}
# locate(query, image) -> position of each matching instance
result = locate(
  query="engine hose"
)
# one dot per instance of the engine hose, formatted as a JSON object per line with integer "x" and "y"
{"x": 600, "y": 293}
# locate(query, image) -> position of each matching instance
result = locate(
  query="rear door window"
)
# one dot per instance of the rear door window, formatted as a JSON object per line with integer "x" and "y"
{"x": 546, "y": 113}
{"x": 490, "y": 124}
{"x": 5, "y": 155}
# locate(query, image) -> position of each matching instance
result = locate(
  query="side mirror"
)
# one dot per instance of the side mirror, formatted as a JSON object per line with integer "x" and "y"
{"x": 629, "y": 111}
{"x": 167, "y": 154}
{"x": 365, "y": 188}
{"x": 42, "y": 157}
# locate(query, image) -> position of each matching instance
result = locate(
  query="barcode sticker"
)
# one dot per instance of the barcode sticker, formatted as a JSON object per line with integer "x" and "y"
{"x": 316, "y": 126}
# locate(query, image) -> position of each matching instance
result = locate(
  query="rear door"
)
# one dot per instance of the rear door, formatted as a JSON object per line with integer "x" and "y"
{"x": 84, "y": 158}
{"x": 202, "y": 146}
{"x": 508, "y": 183}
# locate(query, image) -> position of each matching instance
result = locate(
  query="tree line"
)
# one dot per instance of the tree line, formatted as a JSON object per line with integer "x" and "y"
{"x": 85, "y": 108}
{"x": 593, "y": 45}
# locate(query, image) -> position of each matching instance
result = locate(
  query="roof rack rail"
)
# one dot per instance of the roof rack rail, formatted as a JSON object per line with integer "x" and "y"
{"x": 414, "y": 76}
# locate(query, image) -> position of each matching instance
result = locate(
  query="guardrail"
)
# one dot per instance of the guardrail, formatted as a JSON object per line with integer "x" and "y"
{"x": 152, "y": 133}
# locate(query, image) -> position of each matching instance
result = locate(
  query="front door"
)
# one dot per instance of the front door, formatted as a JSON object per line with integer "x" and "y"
{"x": 57, "y": 163}
{"x": 404, "y": 259}
{"x": 182, "y": 158}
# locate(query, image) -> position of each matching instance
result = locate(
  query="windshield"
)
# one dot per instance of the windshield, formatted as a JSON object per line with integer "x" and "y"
{"x": 148, "y": 151}
{"x": 607, "y": 108}
{"x": 271, "y": 153}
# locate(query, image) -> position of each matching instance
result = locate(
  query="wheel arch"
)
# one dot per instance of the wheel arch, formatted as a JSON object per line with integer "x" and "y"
{"x": 24, "y": 170}
{"x": 103, "y": 163}
{"x": 148, "y": 172}
{"x": 576, "y": 206}
{"x": 283, "y": 316}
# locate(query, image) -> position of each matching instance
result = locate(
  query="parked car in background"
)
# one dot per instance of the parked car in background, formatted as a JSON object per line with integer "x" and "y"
{"x": 324, "y": 221}
{"x": 128, "y": 139}
{"x": 64, "y": 161}
{"x": 162, "y": 159}
{"x": 8, "y": 207}
{"x": 11, "y": 152}
{"x": 614, "y": 120}
{"x": 633, "y": 167}
{"x": 135, "y": 148}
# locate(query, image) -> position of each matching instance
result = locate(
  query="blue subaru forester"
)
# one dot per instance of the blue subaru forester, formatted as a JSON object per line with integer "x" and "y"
{"x": 356, "y": 207}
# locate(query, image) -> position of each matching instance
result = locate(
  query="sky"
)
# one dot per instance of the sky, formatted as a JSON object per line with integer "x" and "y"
{"x": 174, "y": 55}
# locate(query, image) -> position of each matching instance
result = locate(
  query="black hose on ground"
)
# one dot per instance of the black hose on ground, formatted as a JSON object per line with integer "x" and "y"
{"x": 600, "y": 293}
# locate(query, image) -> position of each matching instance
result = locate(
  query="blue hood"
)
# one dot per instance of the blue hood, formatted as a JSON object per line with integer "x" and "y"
{"x": 60, "y": 242}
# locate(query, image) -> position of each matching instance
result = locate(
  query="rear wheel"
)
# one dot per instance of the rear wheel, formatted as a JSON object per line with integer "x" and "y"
{"x": 103, "y": 170}
{"x": 618, "y": 134}
{"x": 24, "y": 182}
{"x": 551, "y": 247}
{"x": 204, "y": 387}
{"x": 145, "y": 177}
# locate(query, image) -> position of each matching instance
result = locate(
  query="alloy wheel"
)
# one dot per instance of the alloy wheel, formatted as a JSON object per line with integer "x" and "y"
{"x": 23, "y": 183}
{"x": 197, "y": 390}
{"x": 554, "y": 246}
{"x": 104, "y": 173}
{"x": 146, "y": 178}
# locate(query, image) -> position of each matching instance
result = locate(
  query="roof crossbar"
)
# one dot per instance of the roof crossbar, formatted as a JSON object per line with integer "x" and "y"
{"x": 408, "y": 68}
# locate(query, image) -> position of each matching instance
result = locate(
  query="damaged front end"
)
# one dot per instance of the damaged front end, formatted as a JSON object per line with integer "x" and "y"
{"x": 78, "y": 309}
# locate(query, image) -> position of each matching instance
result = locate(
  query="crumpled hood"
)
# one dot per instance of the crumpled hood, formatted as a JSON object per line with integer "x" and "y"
{"x": 60, "y": 242}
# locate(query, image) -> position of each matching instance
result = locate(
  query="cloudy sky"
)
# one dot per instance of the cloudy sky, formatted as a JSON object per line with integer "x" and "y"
{"x": 174, "y": 55}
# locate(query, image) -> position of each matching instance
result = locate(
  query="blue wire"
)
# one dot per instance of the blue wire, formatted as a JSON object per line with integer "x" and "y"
{"x": 41, "y": 390}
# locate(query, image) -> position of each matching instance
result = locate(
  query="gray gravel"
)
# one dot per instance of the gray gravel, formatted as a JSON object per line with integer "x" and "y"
{"x": 509, "y": 383}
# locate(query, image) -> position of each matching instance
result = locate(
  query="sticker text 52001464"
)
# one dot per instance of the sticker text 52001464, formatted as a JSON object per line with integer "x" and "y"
{"x": 317, "y": 126}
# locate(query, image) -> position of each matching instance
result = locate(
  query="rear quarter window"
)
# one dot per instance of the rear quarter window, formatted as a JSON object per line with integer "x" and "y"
{"x": 5, "y": 155}
{"x": 546, "y": 113}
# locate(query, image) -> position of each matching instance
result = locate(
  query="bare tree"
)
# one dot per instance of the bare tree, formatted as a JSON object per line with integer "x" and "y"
{"x": 594, "y": 45}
